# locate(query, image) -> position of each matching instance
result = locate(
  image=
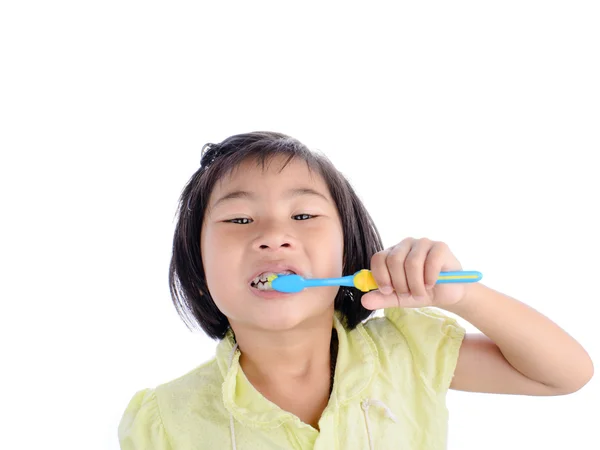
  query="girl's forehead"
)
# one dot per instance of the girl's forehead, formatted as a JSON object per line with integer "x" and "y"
{"x": 276, "y": 170}
{"x": 251, "y": 180}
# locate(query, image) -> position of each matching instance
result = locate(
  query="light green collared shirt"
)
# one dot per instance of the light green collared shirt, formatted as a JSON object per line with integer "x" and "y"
{"x": 389, "y": 392}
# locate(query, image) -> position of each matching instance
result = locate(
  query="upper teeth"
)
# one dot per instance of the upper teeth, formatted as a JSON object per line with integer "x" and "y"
{"x": 263, "y": 276}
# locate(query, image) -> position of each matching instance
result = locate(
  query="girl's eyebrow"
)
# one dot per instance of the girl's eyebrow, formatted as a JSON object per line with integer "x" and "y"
{"x": 290, "y": 193}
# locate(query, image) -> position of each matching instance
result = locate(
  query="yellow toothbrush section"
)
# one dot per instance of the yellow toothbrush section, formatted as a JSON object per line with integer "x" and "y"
{"x": 363, "y": 281}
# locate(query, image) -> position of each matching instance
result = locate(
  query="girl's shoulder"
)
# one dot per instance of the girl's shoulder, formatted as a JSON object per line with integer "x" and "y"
{"x": 152, "y": 413}
{"x": 141, "y": 425}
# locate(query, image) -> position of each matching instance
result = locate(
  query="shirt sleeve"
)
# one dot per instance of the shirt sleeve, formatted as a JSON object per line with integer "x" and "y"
{"x": 434, "y": 340}
{"x": 141, "y": 427}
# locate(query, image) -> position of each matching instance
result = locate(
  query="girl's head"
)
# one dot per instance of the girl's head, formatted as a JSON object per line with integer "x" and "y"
{"x": 260, "y": 198}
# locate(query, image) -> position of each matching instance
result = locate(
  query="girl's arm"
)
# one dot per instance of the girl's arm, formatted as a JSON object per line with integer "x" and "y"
{"x": 520, "y": 352}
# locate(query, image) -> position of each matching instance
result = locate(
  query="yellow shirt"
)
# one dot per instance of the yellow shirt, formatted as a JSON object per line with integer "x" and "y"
{"x": 389, "y": 392}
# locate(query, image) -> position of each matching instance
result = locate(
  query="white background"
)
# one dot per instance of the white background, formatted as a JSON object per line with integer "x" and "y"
{"x": 475, "y": 123}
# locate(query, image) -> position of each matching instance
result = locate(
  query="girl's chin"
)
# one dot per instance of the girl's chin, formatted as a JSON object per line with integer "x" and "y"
{"x": 280, "y": 316}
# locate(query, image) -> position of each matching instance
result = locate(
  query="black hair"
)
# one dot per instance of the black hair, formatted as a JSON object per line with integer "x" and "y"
{"x": 187, "y": 281}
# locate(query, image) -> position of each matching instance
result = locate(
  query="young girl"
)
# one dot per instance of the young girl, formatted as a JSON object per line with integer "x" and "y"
{"x": 307, "y": 370}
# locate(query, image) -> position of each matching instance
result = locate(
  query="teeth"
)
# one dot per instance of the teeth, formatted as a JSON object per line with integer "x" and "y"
{"x": 261, "y": 281}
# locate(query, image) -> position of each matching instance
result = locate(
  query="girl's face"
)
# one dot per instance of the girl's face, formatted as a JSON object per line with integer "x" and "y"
{"x": 285, "y": 217}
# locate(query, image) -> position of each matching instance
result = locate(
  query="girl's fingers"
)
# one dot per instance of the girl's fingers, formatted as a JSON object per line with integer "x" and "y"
{"x": 395, "y": 263}
{"x": 380, "y": 271}
{"x": 434, "y": 263}
{"x": 376, "y": 300}
{"x": 414, "y": 267}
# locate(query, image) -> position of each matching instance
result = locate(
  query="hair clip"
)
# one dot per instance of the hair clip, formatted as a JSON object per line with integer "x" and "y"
{"x": 208, "y": 154}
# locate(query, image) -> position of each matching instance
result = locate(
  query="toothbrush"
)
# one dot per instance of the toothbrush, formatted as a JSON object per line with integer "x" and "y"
{"x": 362, "y": 280}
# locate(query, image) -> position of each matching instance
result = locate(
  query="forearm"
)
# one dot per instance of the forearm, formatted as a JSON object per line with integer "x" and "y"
{"x": 530, "y": 342}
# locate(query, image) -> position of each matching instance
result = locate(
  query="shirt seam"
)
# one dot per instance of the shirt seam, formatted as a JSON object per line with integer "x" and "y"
{"x": 162, "y": 422}
{"x": 456, "y": 335}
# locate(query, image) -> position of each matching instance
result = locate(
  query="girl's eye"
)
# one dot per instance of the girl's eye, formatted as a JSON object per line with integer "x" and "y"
{"x": 245, "y": 220}
{"x": 304, "y": 216}
{"x": 241, "y": 218}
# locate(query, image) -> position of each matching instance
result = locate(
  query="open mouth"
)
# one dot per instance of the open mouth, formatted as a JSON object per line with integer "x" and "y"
{"x": 263, "y": 281}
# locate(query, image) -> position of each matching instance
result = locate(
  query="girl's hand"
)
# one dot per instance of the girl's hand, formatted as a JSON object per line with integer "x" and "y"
{"x": 407, "y": 273}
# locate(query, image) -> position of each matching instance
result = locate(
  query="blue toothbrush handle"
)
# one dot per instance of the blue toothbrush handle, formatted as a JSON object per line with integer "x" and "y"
{"x": 343, "y": 281}
{"x": 462, "y": 276}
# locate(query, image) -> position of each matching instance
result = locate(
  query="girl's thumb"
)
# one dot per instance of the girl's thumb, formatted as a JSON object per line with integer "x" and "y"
{"x": 376, "y": 300}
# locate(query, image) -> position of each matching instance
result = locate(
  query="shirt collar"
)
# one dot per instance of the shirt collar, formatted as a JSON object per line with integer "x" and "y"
{"x": 355, "y": 368}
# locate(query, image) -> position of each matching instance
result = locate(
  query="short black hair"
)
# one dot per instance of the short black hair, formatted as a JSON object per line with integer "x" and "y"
{"x": 187, "y": 280}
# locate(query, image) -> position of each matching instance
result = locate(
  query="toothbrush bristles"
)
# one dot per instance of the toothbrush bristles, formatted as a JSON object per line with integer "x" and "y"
{"x": 270, "y": 278}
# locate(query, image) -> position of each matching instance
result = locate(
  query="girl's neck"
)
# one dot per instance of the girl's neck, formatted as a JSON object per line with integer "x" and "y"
{"x": 290, "y": 357}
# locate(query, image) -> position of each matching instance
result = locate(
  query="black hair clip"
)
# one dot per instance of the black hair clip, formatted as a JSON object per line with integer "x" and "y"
{"x": 209, "y": 153}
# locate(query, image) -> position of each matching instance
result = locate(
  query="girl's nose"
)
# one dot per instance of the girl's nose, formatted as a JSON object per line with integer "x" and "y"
{"x": 274, "y": 238}
{"x": 273, "y": 242}
{"x": 266, "y": 246}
